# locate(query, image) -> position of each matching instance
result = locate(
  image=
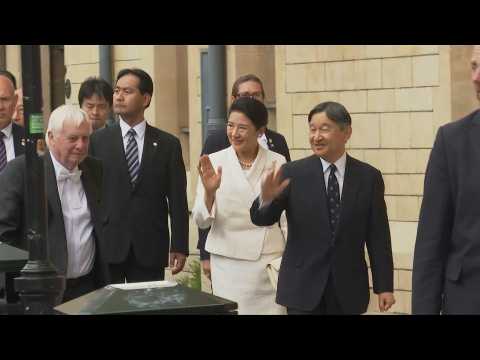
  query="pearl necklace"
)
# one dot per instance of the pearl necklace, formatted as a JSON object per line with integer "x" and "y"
{"x": 245, "y": 165}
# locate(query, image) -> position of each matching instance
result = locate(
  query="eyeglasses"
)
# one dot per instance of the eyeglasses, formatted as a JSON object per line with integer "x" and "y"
{"x": 256, "y": 96}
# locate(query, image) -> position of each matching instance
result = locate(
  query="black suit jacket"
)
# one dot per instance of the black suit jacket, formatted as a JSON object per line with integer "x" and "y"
{"x": 18, "y": 139}
{"x": 12, "y": 211}
{"x": 311, "y": 253}
{"x": 218, "y": 141}
{"x": 446, "y": 265}
{"x": 18, "y": 133}
{"x": 138, "y": 216}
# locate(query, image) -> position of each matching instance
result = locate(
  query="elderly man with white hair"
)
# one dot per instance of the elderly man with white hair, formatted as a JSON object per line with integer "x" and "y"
{"x": 73, "y": 182}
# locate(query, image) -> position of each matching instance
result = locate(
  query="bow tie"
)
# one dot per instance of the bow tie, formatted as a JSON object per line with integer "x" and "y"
{"x": 73, "y": 176}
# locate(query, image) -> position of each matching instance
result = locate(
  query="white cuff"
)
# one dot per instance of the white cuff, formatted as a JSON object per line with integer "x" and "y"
{"x": 202, "y": 217}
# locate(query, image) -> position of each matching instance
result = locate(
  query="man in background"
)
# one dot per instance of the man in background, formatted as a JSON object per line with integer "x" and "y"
{"x": 95, "y": 97}
{"x": 11, "y": 146}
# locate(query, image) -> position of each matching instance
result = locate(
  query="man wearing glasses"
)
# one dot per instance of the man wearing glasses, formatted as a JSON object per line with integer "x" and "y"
{"x": 245, "y": 86}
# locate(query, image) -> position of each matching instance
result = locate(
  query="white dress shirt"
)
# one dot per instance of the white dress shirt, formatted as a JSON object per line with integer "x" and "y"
{"x": 77, "y": 220}
{"x": 139, "y": 137}
{"x": 339, "y": 173}
{"x": 8, "y": 141}
{"x": 262, "y": 140}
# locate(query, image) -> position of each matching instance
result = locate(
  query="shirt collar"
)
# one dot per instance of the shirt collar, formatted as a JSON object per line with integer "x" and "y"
{"x": 262, "y": 140}
{"x": 59, "y": 167}
{"x": 340, "y": 164}
{"x": 7, "y": 130}
{"x": 139, "y": 128}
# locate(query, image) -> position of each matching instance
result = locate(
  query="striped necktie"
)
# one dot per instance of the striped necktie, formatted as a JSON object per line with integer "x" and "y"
{"x": 132, "y": 156}
{"x": 3, "y": 152}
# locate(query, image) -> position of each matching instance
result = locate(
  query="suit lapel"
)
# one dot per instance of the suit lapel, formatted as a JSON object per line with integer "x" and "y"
{"x": 257, "y": 170}
{"x": 349, "y": 193}
{"x": 270, "y": 143}
{"x": 148, "y": 151}
{"x": 234, "y": 170}
{"x": 53, "y": 197}
{"x": 89, "y": 187}
{"x": 319, "y": 194}
{"x": 471, "y": 150}
{"x": 118, "y": 153}
{"x": 18, "y": 139}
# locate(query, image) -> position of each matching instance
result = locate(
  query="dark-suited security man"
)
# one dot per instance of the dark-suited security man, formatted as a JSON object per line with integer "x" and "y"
{"x": 145, "y": 182}
{"x": 11, "y": 146}
{"x": 446, "y": 263}
{"x": 73, "y": 182}
{"x": 95, "y": 97}
{"x": 245, "y": 86}
{"x": 334, "y": 205}
{"x": 11, "y": 134}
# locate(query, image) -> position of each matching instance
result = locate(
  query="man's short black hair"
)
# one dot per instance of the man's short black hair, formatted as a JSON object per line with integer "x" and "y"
{"x": 9, "y": 76}
{"x": 95, "y": 86}
{"x": 145, "y": 84}
{"x": 334, "y": 111}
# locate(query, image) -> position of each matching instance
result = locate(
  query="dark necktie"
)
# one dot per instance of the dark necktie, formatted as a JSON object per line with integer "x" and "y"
{"x": 132, "y": 156}
{"x": 3, "y": 152}
{"x": 333, "y": 198}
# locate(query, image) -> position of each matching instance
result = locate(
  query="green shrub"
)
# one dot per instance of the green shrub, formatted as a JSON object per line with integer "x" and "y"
{"x": 193, "y": 277}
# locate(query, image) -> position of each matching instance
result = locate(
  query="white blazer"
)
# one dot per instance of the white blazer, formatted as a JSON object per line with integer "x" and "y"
{"x": 232, "y": 233}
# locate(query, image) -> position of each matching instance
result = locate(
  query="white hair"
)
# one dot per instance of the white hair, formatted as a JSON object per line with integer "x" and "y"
{"x": 62, "y": 114}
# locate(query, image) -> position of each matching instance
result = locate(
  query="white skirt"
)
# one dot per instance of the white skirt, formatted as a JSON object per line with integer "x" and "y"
{"x": 247, "y": 283}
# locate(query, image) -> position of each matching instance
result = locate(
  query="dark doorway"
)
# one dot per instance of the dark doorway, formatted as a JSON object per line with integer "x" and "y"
{"x": 3, "y": 61}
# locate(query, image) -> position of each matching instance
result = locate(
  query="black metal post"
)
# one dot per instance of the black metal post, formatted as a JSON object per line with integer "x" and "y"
{"x": 217, "y": 108}
{"x": 40, "y": 286}
{"x": 105, "y": 63}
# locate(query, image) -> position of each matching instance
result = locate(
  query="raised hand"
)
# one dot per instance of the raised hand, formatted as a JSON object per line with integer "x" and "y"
{"x": 272, "y": 184}
{"x": 210, "y": 180}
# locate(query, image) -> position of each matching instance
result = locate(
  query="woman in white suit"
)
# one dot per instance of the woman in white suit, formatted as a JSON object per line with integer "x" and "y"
{"x": 240, "y": 251}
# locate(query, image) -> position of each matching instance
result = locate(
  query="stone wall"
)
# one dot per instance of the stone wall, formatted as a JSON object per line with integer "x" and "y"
{"x": 398, "y": 96}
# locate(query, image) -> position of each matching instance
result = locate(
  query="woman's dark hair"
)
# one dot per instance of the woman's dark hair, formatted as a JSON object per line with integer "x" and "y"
{"x": 253, "y": 109}
{"x": 334, "y": 111}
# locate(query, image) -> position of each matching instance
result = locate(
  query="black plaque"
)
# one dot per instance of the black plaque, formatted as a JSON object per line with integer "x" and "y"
{"x": 161, "y": 300}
